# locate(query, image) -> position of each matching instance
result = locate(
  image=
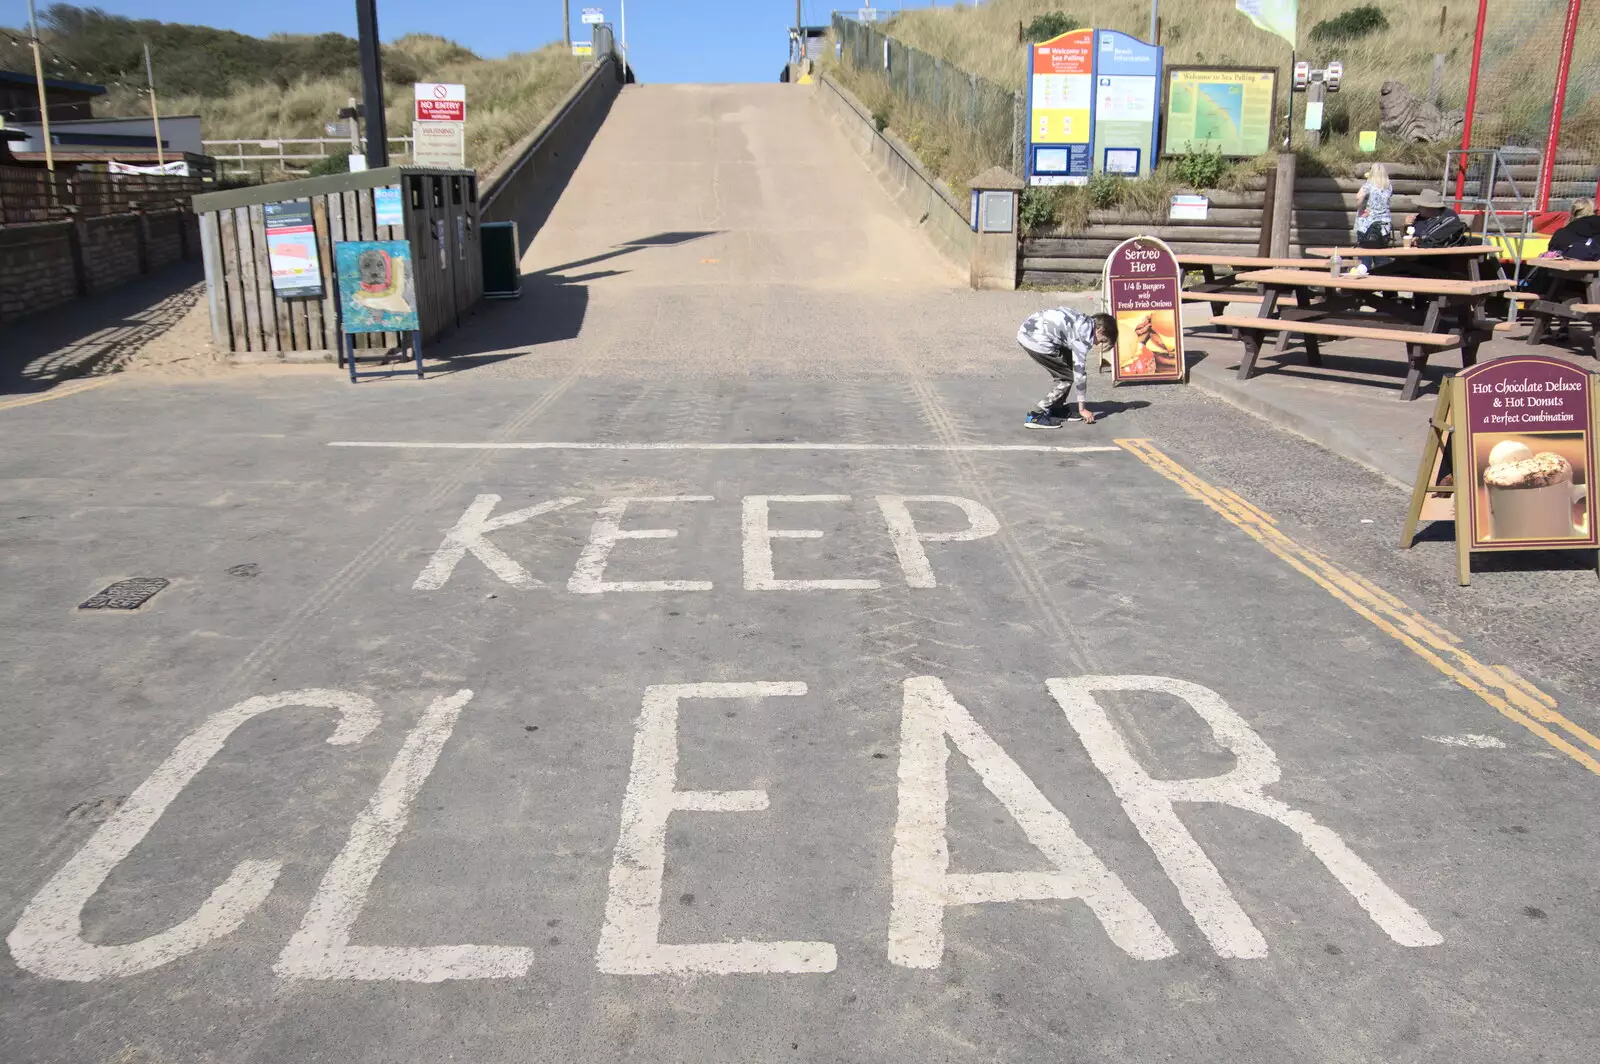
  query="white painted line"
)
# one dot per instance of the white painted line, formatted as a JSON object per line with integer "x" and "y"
{"x": 630, "y": 941}
{"x": 758, "y": 537}
{"x": 49, "y": 941}
{"x": 923, "y": 884}
{"x": 321, "y": 948}
{"x": 1469, "y": 740}
{"x": 1149, "y": 804}
{"x": 542, "y": 445}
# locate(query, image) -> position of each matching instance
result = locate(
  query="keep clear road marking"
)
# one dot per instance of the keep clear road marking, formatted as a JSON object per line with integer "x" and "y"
{"x": 1510, "y": 694}
{"x": 541, "y": 445}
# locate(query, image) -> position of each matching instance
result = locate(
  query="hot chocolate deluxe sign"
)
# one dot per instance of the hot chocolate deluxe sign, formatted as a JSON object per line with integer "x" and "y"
{"x": 1513, "y": 448}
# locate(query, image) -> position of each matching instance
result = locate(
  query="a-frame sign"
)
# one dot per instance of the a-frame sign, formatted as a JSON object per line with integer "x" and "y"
{"x": 1511, "y": 458}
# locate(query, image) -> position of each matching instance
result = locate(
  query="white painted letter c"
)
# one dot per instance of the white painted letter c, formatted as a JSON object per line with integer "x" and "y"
{"x": 48, "y": 940}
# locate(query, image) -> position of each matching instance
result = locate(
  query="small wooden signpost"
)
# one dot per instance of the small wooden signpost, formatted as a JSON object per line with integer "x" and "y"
{"x": 1511, "y": 457}
{"x": 1143, "y": 287}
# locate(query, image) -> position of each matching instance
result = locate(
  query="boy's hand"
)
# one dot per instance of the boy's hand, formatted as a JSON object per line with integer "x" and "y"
{"x": 1088, "y": 415}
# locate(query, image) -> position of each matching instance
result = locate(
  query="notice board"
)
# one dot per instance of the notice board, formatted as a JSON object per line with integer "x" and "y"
{"x": 1127, "y": 80}
{"x": 1232, "y": 110}
{"x": 1061, "y": 109}
{"x": 292, "y": 249}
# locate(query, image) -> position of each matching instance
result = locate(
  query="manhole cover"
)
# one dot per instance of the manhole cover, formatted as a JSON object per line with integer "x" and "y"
{"x": 125, "y": 594}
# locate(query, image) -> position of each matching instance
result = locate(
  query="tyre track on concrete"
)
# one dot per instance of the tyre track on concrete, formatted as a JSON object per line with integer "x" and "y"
{"x": 249, "y": 671}
{"x": 947, "y": 429}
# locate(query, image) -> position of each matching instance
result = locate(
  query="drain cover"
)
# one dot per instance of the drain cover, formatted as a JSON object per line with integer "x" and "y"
{"x": 125, "y": 594}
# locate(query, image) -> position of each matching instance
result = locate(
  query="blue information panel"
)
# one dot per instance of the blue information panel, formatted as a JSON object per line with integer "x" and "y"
{"x": 1093, "y": 105}
{"x": 1127, "y": 101}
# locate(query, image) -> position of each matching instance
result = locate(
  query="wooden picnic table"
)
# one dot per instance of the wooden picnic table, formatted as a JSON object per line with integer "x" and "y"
{"x": 1465, "y": 261}
{"x": 1220, "y": 290}
{"x": 1571, "y": 293}
{"x": 1440, "y": 314}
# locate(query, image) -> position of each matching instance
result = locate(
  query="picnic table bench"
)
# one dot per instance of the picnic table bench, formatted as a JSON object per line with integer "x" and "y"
{"x": 1572, "y": 295}
{"x": 1441, "y": 313}
{"x": 1221, "y": 289}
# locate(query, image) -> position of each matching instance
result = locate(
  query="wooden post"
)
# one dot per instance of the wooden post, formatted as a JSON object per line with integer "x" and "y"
{"x": 1264, "y": 239}
{"x": 1283, "y": 204}
{"x": 1316, "y": 95}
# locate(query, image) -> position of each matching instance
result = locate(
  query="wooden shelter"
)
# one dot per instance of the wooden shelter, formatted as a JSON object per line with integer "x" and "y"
{"x": 438, "y": 217}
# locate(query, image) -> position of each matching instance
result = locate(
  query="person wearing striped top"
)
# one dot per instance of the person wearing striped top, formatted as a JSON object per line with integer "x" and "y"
{"x": 1060, "y": 340}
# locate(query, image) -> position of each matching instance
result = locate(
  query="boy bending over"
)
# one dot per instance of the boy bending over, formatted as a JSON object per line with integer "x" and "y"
{"x": 1060, "y": 340}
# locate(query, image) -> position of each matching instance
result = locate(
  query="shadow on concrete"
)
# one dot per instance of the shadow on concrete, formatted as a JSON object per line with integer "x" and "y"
{"x": 1112, "y": 407}
{"x": 552, "y": 308}
{"x": 1516, "y": 561}
{"x": 97, "y": 334}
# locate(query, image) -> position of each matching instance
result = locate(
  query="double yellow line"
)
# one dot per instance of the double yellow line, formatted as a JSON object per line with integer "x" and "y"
{"x": 1510, "y": 694}
{"x": 59, "y": 392}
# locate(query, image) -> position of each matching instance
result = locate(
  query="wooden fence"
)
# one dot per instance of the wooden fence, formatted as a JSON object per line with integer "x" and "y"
{"x": 1324, "y": 213}
{"x": 31, "y": 194}
{"x": 439, "y": 212}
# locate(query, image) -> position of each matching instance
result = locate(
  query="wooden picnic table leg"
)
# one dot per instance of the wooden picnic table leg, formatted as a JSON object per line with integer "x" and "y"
{"x": 1541, "y": 322}
{"x": 1252, "y": 337}
{"x": 1417, "y": 354}
{"x": 1472, "y": 326}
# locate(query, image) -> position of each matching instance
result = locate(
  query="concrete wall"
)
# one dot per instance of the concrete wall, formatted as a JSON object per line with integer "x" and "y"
{"x": 926, "y": 200}
{"x": 525, "y": 185}
{"x": 52, "y": 263}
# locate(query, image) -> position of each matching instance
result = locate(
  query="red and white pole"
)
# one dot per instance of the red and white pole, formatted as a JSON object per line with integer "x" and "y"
{"x": 1472, "y": 100}
{"x": 1547, "y": 171}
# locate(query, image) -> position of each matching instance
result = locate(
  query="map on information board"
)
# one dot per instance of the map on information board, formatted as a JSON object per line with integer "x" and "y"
{"x": 1215, "y": 109}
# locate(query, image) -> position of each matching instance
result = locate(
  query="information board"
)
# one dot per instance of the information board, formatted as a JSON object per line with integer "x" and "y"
{"x": 593, "y": 16}
{"x": 1511, "y": 459}
{"x": 1061, "y": 109}
{"x": 386, "y": 206}
{"x": 1227, "y": 109}
{"x": 1127, "y": 78}
{"x": 292, "y": 249}
{"x": 1143, "y": 286}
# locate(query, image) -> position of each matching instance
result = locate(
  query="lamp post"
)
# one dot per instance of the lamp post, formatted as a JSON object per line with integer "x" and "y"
{"x": 38, "y": 77}
{"x": 372, "y": 83}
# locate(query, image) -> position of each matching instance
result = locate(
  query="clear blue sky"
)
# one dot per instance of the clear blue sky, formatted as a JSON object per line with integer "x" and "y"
{"x": 669, "y": 40}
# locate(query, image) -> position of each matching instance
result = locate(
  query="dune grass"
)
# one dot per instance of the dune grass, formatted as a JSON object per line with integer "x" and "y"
{"x": 505, "y": 97}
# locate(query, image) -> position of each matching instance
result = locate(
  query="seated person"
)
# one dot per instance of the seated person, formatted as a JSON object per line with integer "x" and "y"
{"x": 1579, "y": 238}
{"x": 1434, "y": 225}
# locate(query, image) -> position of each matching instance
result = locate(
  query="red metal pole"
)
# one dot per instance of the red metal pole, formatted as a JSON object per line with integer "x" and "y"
{"x": 1547, "y": 172}
{"x": 1472, "y": 99}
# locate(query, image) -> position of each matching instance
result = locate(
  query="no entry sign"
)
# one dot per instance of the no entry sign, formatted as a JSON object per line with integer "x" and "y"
{"x": 1142, "y": 288}
{"x": 440, "y": 102}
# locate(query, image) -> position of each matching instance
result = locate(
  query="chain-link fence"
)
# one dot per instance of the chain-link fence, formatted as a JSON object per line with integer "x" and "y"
{"x": 935, "y": 90}
{"x": 1518, "y": 80}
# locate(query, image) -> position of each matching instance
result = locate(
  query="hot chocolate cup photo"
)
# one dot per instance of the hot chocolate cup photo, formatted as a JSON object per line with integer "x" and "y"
{"x": 1532, "y": 494}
